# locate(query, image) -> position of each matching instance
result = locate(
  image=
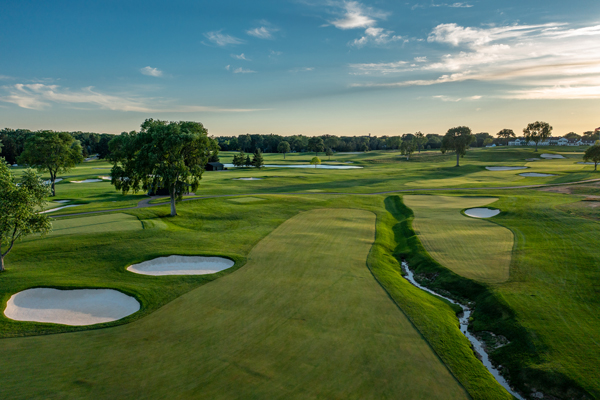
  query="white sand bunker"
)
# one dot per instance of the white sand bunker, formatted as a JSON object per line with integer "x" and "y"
{"x": 504, "y": 168}
{"x": 586, "y": 163}
{"x": 535, "y": 174}
{"x": 106, "y": 178}
{"x": 248, "y": 179}
{"x": 70, "y": 307}
{"x": 59, "y": 208}
{"x": 482, "y": 212}
{"x": 551, "y": 156}
{"x": 48, "y": 182}
{"x": 181, "y": 265}
{"x": 88, "y": 181}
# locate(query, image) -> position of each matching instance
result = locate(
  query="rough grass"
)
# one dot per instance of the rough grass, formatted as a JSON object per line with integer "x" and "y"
{"x": 303, "y": 319}
{"x": 474, "y": 248}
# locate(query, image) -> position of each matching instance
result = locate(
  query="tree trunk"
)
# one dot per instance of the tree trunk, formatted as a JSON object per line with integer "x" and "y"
{"x": 173, "y": 211}
{"x": 52, "y": 180}
{"x": 595, "y": 165}
{"x": 457, "y": 159}
{"x": 1, "y": 263}
{"x": 536, "y": 146}
{"x": 284, "y": 156}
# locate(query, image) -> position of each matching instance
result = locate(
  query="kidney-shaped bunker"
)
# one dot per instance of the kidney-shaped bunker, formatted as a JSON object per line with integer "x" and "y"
{"x": 70, "y": 307}
{"x": 482, "y": 212}
{"x": 181, "y": 265}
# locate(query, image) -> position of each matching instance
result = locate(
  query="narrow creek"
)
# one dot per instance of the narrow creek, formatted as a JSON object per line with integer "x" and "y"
{"x": 464, "y": 324}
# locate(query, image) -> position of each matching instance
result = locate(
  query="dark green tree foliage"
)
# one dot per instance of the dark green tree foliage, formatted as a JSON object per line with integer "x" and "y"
{"x": 52, "y": 152}
{"x": 458, "y": 140}
{"x": 408, "y": 146}
{"x": 536, "y": 132}
{"x": 328, "y": 153}
{"x": 316, "y": 144}
{"x": 421, "y": 140}
{"x": 19, "y": 205}
{"x": 248, "y": 161}
{"x": 592, "y": 154}
{"x": 506, "y": 134}
{"x": 163, "y": 154}
{"x": 257, "y": 159}
{"x": 283, "y": 147}
{"x": 239, "y": 159}
{"x": 393, "y": 142}
{"x": 214, "y": 156}
{"x": 480, "y": 138}
{"x": 572, "y": 135}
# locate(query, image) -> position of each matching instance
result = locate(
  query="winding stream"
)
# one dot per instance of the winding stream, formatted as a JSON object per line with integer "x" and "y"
{"x": 464, "y": 324}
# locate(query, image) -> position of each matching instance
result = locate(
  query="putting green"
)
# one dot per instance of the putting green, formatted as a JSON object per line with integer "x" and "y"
{"x": 474, "y": 248}
{"x": 95, "y": 224}
{"x": 304, "y": 318}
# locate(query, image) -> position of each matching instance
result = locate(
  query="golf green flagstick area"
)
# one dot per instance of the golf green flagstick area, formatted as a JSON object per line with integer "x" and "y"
{"x": 304, "y": 318}
{"x": 474, "y": 248}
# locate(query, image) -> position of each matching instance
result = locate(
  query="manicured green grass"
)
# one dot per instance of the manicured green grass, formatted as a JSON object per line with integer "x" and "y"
{"x": 303, "y": 319}
{"x": 474, "y": 248}
{"x": 96, "y": 224}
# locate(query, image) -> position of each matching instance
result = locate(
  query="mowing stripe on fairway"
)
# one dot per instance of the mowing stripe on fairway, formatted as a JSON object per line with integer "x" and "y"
{"x": 304, "y": 318}
{"x": 474, "y": 248}
{"x": 96, "y": 224}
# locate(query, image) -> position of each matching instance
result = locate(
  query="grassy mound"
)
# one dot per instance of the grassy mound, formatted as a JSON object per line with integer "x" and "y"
{"x": 473, "y": 248}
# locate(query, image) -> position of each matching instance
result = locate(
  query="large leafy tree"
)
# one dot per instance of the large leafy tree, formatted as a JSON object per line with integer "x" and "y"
{"x": 52, "y": 152}
{"x": 420, "y": 140}
{"x": 18, "y": 208}
{"x": 506, "y": 134}
{"x": 408, "y": 147}
{"x": 163, "y": 154}
{"x": 283, "y": 147}
{"x": 316, "y": 144}
{"x": 458, "y": 140}
{"x": 536, "y": 132}
{"x": 315, "y": 161}
{"x": 592, "y": 154}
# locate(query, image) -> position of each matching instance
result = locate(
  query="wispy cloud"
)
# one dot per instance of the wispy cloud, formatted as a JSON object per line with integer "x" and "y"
{"x": 221, "y": 39}
{"x": 243, "y": 71}
{"x": 355, "y": 15}
{"x": 451, "y": 5}
{"x": 262, "y": 32}
{"x": 542, "y": 57}
{"x": 302, "y": 69}
{"x": 240, "y": 57}
{"x": 38, "y": 96}
{"x": 151, "y": 71}
{"x": 456, "y": 99}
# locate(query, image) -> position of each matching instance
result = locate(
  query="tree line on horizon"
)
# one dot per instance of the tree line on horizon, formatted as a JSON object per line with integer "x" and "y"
{"x": 13, "y": 142}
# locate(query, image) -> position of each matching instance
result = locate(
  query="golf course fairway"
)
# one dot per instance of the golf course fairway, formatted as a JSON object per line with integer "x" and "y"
{"x": 304, "y": 318}
{"x": 474, "y": 248}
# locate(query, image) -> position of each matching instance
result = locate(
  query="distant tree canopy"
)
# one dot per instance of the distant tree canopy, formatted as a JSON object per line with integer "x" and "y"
{"x": 572, "y": 136}
{"x": 408, "y": 146}
{"x": 315, "y": 161}
{"x": 536, "y": 132}
{"x": 458, "y": 140}
{"x": 479, "y": 139}
{"x": 420, "y": 140}
{"x": 163, "y": 154}
{"x": 52, "y": 152}
{"x": 592, "y": 154}
{"x": 316, "y": 144}
{"x": 506, "y": 134}
{"x": 283, "y": 147}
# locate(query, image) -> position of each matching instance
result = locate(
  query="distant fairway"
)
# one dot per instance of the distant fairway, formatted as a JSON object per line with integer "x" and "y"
{"x": 304, "y": 318}
{"x": 473, "y": 248}
{"x": 96, "y": 224}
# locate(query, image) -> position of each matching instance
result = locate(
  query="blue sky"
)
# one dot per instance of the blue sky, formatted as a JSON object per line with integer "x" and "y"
{"x": 303, "y": 66}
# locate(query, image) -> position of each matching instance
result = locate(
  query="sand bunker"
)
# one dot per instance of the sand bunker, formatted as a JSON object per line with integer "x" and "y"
{"x": 105, "y": 178}
{"x": 504, "y": 168}
{"x": 551, "y": 156}
{"x": 532, "y": 159}
{"x": 61, "y": 201}
{"x": 586, "y": 163}
{"x": 70, "y": 307}
{"x": 181, "y": 265}
{"x": 535, "y": 175}
{"x": 482, "y": 212}
{"x": 59, "y": 208}
{"x": 48, "y": 182}
{"x": 87, "y": 181}
{"x": 248, "y": 179}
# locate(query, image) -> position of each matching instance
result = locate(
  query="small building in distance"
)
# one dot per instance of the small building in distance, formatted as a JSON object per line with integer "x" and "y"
{"x": 215, "y": 166}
